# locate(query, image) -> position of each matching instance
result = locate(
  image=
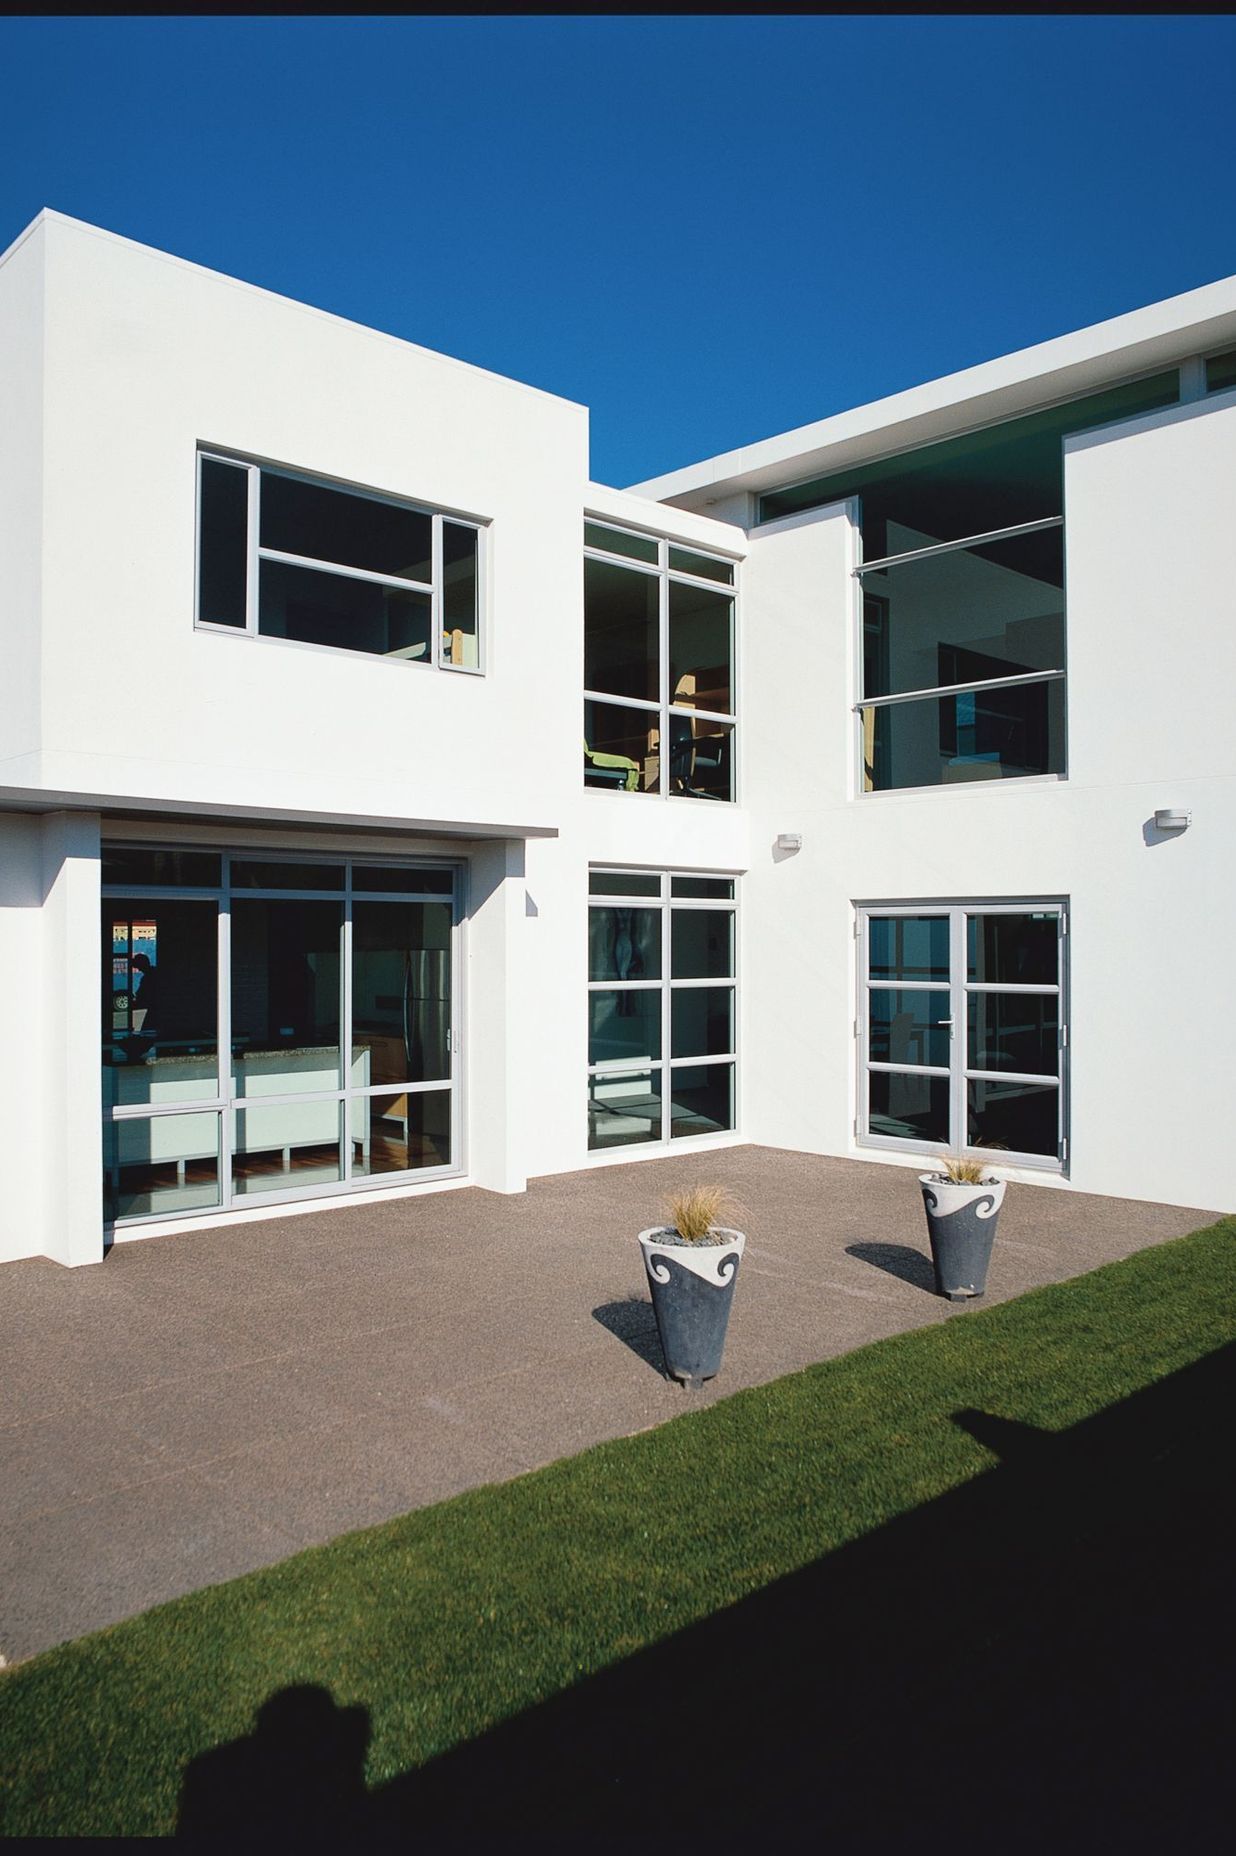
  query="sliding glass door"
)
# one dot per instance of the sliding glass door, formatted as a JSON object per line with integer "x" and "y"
{"x": 273, "y": 1028}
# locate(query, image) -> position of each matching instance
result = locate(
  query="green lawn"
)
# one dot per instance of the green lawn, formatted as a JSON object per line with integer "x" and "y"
{"x": 458, "y": 1617}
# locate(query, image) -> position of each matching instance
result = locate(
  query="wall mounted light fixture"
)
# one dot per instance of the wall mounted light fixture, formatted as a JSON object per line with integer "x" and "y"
{"x": 789, "y": 841}
{"x": 1173, "y": 818}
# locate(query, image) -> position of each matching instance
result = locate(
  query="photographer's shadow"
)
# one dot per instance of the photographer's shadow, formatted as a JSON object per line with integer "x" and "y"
{"x": 301, "y": 1771}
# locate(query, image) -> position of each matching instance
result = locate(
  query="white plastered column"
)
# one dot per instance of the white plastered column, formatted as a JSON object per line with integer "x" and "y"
{"x": 72, "y": 1157}
{"x": 494, "y": 1056}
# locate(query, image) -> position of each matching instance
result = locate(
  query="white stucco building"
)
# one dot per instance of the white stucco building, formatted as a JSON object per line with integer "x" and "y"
{"x": 307, "y": 889}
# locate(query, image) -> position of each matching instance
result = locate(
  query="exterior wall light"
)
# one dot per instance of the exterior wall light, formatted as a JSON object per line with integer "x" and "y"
{"x": 1172, "y": 818}
{"x": 789, "y": 841}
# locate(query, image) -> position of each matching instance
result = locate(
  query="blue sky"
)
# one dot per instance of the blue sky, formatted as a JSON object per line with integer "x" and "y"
{"x": 707, "y": 229}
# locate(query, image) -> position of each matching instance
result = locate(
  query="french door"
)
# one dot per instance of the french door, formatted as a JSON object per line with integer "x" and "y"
{"x": 274, "y": 1027}
{"x": 962, "y": 1033}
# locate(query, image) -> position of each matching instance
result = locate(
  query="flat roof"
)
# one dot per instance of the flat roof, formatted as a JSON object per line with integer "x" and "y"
{"x": 1067, "y": 367}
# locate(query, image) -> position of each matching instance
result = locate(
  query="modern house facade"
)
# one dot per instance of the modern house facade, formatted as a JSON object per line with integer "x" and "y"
{"x": 904, "y": 817}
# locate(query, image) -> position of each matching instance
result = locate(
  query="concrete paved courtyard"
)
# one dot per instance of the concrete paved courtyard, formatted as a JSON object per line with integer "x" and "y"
{"x": 201, "y": 1405}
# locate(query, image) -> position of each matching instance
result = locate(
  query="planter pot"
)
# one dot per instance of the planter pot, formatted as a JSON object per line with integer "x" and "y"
{"x": 692, "y": 1287}
{"x": 961, "y": 1221}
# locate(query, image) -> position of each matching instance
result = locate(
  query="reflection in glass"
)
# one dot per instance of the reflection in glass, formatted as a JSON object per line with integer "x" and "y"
{"x": 624, "y": 1110}
{"x": 621, "y": 629}
{"x": 1014, "y": 1031}
{"x": 1013, "y": 950}
{"x": 159, "y": 1001}
{"x": 702, "y": 944}
{"x": 250, "y": 874}
{"x": 223, "y": 545}
{"x": 624, "y": 1026}
{"x": 621, "y": 748}
{"x": 908, "y": 947}
{"x": 459, "y": 595}
{"x": 709, "y": 888}
{"x": 314, "y": 607}
{"x": 160, "y": 1165}
{"x": 624, "y": 944}
{"x": 623, "y": 883}
{"x": 1023, "y": 1117}
{"x": 702, "y": 1099}
{"x": 282, "y": 1145}
{"x": 176, "y": 869}
{"x": 345, "y": 528}
{"x": 907, "y": 1106}
{"x": 1004, "y": 733}
{"x": 401, "y": 1132}
{"x": 684, "y": 561}
{"x": 905, "y": 1027}
{"x": 285, "y": 996}
{"x": 618, "y": 541}
{"x": 700, "y": 648}
{"x": 1221, "y": 371}
{"x": 401, "y": 990}
{"x": 702, "y": 1021}
{"x": 701, "y": 757}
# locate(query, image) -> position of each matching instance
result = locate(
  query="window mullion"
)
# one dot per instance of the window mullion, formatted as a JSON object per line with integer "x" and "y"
{"x": 663, "y": 685}
{"x": 436, "y": 614}
{"x": 959, "y": 1031}
{"x": 252, "y": 579}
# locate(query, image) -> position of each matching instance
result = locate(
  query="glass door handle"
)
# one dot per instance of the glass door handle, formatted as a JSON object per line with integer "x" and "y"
{"x": 946, "y": 1021}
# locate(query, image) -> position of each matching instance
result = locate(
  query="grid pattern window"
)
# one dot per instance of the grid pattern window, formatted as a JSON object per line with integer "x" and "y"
{"x": 280, "y": 555}
{"x": 662, "y": 1007}
{"x": 962, "y": 1029}
{"x": 273, "y": 1027}
{"x": 659, "y": 702}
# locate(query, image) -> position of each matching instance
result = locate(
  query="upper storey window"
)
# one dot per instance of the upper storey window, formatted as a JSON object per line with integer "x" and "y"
{"x": 962, "y": 591}
{"x": 282, "y": 556}
{"x": 659, "y": 702}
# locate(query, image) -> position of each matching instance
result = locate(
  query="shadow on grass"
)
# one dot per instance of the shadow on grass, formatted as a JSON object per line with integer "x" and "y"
{"x": 632, "y": 1321}
{"x": 1038, "y": 1659}
{"x": 897, "y": 1260}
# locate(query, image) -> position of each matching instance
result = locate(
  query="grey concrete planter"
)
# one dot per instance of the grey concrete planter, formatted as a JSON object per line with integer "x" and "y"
{"x": 692, "y": 1288}
{"x": 961, "y": 1222}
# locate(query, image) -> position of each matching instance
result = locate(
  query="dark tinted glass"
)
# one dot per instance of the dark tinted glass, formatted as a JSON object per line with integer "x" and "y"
{"x": 904, "y": 1026}
{"x": 617, "y": 541}
{"x": 908, "y": 947}
{"x": 621, "y": 748}
{"x": 1024, "y": 1117}
{"x": 1018, "y": 950}
{"x": 255, "y": 874}
{"x": 400, "y": 1132}
{"x": 223, "y": 563}
{"x": 622, "y": 883}
{"x": 401, "y": 990}
{"x": 459, "y": 595}
{"x": 624, "y": 1026}
{"x": 684, "y": 561}
{"x": 349, "y": 615}
{"x": 1014, "y": 1031}
{"x": 285, "y": 996}
{"x": 700, "y": 644}
{"x": 341, "y": 527}
{"x": 405, "y": 880}
{"x": 1221, "y": 371}
{"x": 986, "y": 734}
{"x": 184, "y": 869}
{"x": 621, "y": 624}
{"x": 159, "y": 1000}
{"x": 906, "y": 1106}
{"x": 719, "y": 888}
{"x": 624, "y": 1111}
{"x": 702, "y": 1099}
{"x": 624, "y": 944}
{"x": 702, "y": 943}
{"x": 701, "y": 757}
{"x": 702, "y": 1021}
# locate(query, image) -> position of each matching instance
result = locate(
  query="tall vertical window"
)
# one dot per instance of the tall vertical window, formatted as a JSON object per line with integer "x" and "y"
{"x": 659, "y": 702}
{"x": 282, "y": 556}
{"x": 662, "y": 1007}
{"x": 962, "y": 1028}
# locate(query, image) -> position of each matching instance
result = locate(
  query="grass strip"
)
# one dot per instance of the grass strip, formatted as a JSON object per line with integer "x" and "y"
{"x": 456, "y": 1617}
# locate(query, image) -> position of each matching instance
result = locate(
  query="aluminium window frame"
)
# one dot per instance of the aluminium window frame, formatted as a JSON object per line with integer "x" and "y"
{"x": 255, "y": 554}
{"x": 956, "y": 992}
{"x": 666, "y": 902}
{"x": 224, "y": 1101}
{"x": 663, "y": 707}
